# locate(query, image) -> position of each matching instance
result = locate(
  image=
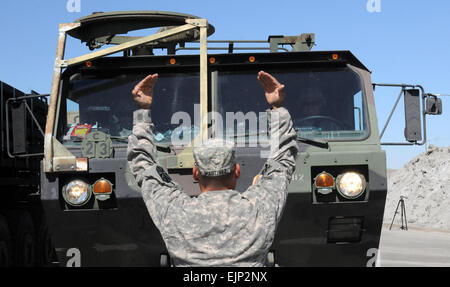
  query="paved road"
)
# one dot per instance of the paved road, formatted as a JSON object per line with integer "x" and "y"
{"x": 414, "y": 247}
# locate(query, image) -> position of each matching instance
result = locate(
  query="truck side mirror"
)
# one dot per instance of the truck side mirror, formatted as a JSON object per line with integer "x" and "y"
{"x": 23, "y": 123}
{"x": 18, "y": 127}
{"x": 433, "y": 105}
{"x": 413, "y": 127}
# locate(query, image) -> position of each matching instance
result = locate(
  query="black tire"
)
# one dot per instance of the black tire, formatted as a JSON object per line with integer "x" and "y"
{"x": 23, "y": 234}
{"x": 45, "y": 251}
{"x": 5, "y": 244}
{"x": 164, "y": 260}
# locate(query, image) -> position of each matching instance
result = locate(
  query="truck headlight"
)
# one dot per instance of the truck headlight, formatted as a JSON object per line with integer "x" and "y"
{"x": 351, "y": 184}
{"x": 77, "y": 192}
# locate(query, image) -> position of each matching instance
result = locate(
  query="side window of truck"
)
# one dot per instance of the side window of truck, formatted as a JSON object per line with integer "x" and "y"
{"x": 73, "y": 112}
{"x": 358, "y": 111}
{"x": 73, "y": 117}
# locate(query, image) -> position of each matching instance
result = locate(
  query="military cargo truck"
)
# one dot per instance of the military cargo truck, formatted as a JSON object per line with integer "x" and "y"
{"x": 96, "y": 214}
{"x": 24, "y": 236}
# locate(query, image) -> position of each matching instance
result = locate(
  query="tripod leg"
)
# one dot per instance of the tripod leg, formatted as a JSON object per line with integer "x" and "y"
{"x": 404, "y": 211}
{"x": 401, "y": 213}
{"x": 395, "y": 213}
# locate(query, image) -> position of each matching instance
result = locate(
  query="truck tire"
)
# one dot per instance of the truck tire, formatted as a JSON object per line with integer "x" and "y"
{"x": 5, "y": 243}
{"x": 164, "y": 260}
{"x": 23, "y": 236}
{"x": 270, "y": 259}
{"x": 45, "y": 251}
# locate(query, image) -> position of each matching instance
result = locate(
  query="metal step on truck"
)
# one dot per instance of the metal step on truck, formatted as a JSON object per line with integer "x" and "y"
{"x": 206, "y": 89}
{"x": 24, "y": 236}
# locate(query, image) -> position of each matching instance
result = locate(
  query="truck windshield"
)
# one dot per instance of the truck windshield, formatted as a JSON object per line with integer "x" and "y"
{"x": 324, "y": 103}
{"x": 106, "y": 104}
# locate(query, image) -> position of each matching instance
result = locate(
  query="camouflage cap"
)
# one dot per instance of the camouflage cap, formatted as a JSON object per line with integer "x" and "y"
{"x": 215, "y": 157}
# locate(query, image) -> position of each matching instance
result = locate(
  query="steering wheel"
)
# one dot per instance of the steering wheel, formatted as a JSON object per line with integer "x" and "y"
{"x": 338, "y": 123}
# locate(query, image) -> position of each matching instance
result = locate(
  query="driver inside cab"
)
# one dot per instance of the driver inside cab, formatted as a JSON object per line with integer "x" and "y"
{"x": 315, "y": 112}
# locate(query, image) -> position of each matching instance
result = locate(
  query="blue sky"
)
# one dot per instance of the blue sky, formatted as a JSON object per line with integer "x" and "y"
{"x": 408, "y": 41}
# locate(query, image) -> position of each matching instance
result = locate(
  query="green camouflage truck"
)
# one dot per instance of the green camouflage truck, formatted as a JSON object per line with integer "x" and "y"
{"x": 334, "y": 210}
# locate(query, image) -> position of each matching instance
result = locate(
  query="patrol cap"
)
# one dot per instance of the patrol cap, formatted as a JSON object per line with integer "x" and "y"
{"x": 215, "y": 157}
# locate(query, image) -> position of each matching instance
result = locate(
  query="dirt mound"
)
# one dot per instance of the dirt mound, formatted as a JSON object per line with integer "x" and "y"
{"x": 425, "y": 180}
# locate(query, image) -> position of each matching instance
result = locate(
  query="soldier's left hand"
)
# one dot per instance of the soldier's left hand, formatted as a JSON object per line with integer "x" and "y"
{"x": 274, "y": 91}
{"x": 143, "y": 91}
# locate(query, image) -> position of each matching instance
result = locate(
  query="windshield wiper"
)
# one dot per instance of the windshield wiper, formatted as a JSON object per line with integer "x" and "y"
{"x": 119, "y": 139}
{"x": 159, "y": 147}
{"x": 250, "y": 135}
{"x": 164, "y": 148}
{"x": 317, "y": 143}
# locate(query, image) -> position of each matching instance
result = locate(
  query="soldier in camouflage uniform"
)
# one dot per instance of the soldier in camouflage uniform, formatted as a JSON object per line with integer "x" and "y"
{"x": 221, "y": 226}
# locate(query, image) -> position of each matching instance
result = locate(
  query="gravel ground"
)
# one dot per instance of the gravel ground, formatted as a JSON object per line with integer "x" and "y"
{"x": 425, "y": 180}
{"x": 415, "y": 247}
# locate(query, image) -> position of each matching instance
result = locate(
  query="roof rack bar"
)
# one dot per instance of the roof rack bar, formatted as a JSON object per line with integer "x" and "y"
{"x": 233, "y": 41}
{"x": 227, "y": 48}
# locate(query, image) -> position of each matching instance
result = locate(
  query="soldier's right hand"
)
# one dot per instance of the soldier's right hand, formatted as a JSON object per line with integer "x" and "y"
{"x": 143, "y": 91}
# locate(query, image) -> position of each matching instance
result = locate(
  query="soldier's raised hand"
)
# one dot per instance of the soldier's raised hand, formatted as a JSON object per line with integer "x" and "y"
{"x": 273, "y": 89}
{"x": 143, "y": 91}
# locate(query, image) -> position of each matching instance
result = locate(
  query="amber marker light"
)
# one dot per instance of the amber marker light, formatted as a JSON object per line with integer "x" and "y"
{"x": 88, "y": 64}
{"x": 324, "y": 180}
{"x": 251, "y": 59}
{"x": 335, "y": 57}
{"x": 102, "y": 189}
{"x": 102, "y": 186}
{"x": 173, "y": 61}
{"x": 324, "y": 183}
{"x": 212, "y": 60}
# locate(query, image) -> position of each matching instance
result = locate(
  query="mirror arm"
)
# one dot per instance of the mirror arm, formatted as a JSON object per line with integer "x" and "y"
{"x": 403, "y": 86}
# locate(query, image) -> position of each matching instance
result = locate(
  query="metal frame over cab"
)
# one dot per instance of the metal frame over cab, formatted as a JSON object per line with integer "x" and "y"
{"x": 56, "y": 157}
